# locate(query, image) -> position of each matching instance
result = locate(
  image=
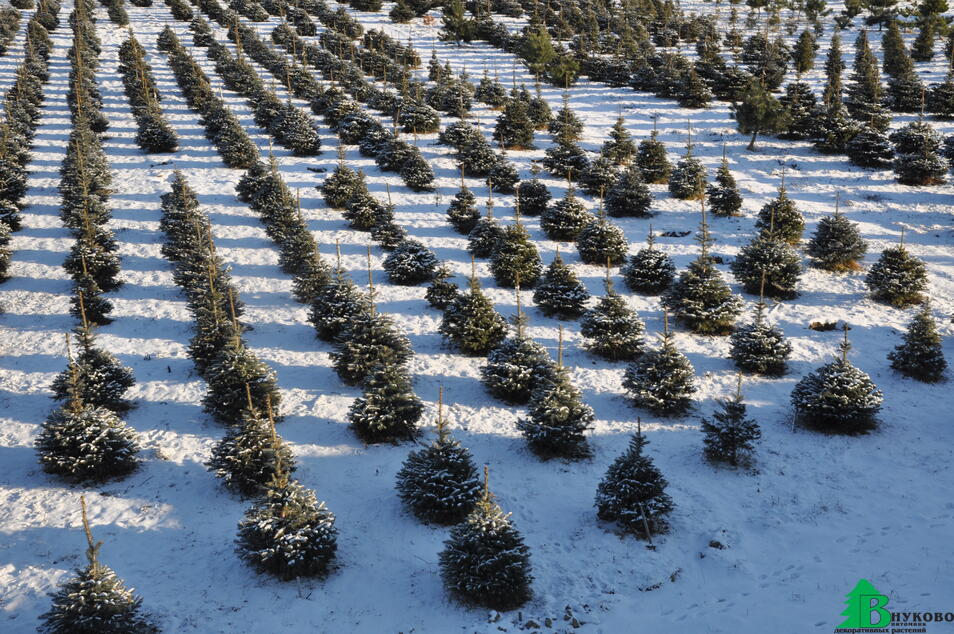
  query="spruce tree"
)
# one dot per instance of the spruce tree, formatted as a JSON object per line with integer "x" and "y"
{"x": 619, "y": 147}
{"x": 557, "y": 418}
{"x": 102, "y": 380}
{"x": 342, "y": 184}
{"x": 439, "y": 483}
{"x": 759, "y": 346}
{"x": 485, "y": 562}
{"x": 389, "y": 410}
{"x": 612, "y": 329}
{"x": 601, "y": 241}
{"x": 700, "y": 297}
{"x": 837, "y": 397}
{"x": 652, "y": 160}
{"x": 687, "y": 181}
{"x": 534, "y": 196}
{"x": 920, "y": 355}
{"x": 514, "y": 130}
{"x": 633, "y": 495}
{"x": 368, "y": 340}
{"x": 95, "y": 600}
{"x": 649, "y": 271}
{"x": 249, "y": 456}
{"x": 471, "y": 323}
{"x": 724, "y": 196}
{"x": 564, "y": 219}
{"x": 781, "y": 218}
{"x": 566, "y": 124}
{"x": 630, "y": 196}
{"x": 565, "y": 158}
{"x": 234, "y": 370}
{"x": 917, "y": 161}
{"x": 336, "y": 304}
{"x": 288, "y": 533}
{"x": 515, "y": 259}
{"x": 410, "y": 263}
{"x": 897, "y": 278}
{"x": 940, "y": 97}
{"x": 463, "y": 213}
{"x": 870, "y": 147}
{"x": 83, "y": 443}
{"x": 804, "y": 54}
{"x": 599, "y": 176}
{"x": 483, "y": 238}
{"x": 801, "y": 110}
{"x": 441, "y": 293}
{"x": 729, "y": 435}
{"x": 662, "y": 380}
{"x": 834, "y": 65}
{"x": 922, "y": 50}
{"x": 837, "y": 244}
{"x": 865, "y": 94}
{"x": 312, "y": 276}
{"x": 768, "y": 265}
{"x": 560, "y": 293}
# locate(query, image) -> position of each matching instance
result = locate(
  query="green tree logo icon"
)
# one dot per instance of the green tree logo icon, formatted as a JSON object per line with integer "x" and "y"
{"x": 865, "y": 604}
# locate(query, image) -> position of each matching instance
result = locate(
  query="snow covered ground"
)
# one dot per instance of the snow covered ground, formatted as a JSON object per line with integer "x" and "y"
{"x": 814, "y": 515}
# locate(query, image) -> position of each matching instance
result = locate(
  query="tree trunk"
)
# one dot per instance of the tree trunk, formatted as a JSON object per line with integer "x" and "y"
{"x": 751, "y": 147}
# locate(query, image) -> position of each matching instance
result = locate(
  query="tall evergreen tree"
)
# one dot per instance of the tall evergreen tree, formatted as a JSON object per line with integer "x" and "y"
{"x": 865, "y": 94}
{"x": 730, "y": 435}
{"x": 920, "y": 355}
{"x": 633, "y": 493}
{"x": 804, "y": 53}
{"x": 96, "y": 600}
{"x": 834, "y": 65}
{"x": 759, "y": 112}
{"x": 439, "y": 482}
{"x": 485, "y": 561}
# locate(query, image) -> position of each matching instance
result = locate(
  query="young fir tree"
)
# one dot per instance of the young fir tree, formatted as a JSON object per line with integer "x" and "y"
{"x": 389, "y": 410}
{"x": 368, "y": 340}
{"x": 343, "y": 184}
{"x": 897, "y": 278}
{"x": 649, "y": 271}
{"x": 565, "y": 158}
{"x": 95, "y": 600}
{"x": 471, "y": 323}
{"x": 687, "y": 181}
{"x": 699, "y": 296}
{"x": 834, "y": 65}
{"x": 870, "y": 147}
{"x": 661, "y": 380}
{"x": 920, "y": 355}
{"x": 566, "y": 125}
{"x": 940, "y": 98}
{"x": 633, "y": 495}
{"x": 730, "y": 435}
{"x": 917, "y": 161}
{"x": 768, "y": 266}
{"x": 560, "y": 294}
{"x": 557, "y": 419}
{"x": 564, "y": 219}
{"x": 484, "y": 236}
{"x": 782, "y": 218}
{"x": 463, "y": 213}
{"x": 534, "y": 196}
{"x": 83, "y": 443}
{"x": 288, "y": 533}
{"x": 651, "y": 159}
{"x": 922, "y": 50}
{"x": 837, "y": 397}
{"x": 485, "y": 562}
{"x": 724, "y": 196}
{"x": 102, "y": 379}
{"x": 759, "y": 346}
{"x": 518, "y": 366}
{"x": 801, "y": 108}
{"x": 612, "y": 329}
{"x": 410, "y": 263}
{"x": 249, "y": 457}
{"x": 439, "y": 483}
{"x": 837, "y": 244}
{"x": 905, "y": 88}
{"x": 515, "y": 260}
{"x": 441, "y": 293}
{"x": 514, "y": 130}
{"x": 313, "y": 275}
{"x": 630, "y": 196}
{"x": 619, "y": 147}
{"x": 601, "y": 241}
{"x": 336, "y": 304}
{"x": 235, "y": 370}
{"x": 599, "y": 176}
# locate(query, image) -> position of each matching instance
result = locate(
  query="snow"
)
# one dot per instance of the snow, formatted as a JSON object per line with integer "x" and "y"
{"x": 816, "y": 513}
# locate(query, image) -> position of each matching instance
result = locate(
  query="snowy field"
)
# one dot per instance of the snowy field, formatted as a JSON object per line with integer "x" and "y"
{"x": 811, "y": 516}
